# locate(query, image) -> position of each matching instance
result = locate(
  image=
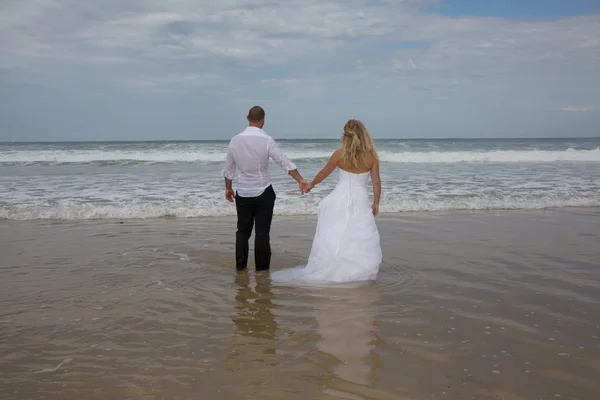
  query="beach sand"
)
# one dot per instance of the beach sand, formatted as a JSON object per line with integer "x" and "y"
{"x": 489, "y": 305}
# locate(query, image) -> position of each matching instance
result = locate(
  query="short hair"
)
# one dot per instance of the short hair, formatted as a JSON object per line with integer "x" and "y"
{"x": 256, "y": 114}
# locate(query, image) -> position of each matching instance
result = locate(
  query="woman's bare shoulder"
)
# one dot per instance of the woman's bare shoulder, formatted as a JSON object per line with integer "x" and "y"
{"x": 372, "y": 157}
{"x": 336, "y": 156}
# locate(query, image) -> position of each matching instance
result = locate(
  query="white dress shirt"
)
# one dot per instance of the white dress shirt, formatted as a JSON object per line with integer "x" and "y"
{"x": 249, "y": 152}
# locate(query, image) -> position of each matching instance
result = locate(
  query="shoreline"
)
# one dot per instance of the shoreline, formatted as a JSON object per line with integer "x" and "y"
{"x": 382, "y": 215}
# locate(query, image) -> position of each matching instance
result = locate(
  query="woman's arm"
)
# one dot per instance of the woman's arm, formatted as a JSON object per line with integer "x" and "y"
{"x": 327, "y": 170}
{"x": 376, "y": 180}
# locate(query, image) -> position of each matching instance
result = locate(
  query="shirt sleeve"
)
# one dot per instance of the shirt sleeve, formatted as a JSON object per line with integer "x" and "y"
{"x": 229, "y": 169}
{"x": 279, "y": 157}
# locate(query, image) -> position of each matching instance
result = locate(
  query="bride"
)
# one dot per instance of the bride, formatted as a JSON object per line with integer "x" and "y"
{"x": 346, "y": 245}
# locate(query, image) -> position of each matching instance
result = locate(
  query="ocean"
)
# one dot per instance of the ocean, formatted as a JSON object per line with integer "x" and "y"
{"x": 140, "y": 180}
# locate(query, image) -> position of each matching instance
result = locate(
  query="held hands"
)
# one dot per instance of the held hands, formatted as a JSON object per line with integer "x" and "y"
{"x": 305, "y": 187}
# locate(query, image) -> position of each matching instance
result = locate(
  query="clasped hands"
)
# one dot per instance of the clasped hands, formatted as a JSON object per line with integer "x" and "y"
{"x": 305, "y": 186}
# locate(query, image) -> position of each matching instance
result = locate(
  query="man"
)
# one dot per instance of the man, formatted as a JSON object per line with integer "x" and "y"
{"x": 249, "y": 152}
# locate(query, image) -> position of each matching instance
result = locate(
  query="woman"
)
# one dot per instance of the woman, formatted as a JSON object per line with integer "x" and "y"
{"x": 346, "y": 245}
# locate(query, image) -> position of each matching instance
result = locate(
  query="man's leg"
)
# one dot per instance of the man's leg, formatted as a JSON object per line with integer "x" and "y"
{"x": 263, "y": 215}
{"x": 245, "y": 221}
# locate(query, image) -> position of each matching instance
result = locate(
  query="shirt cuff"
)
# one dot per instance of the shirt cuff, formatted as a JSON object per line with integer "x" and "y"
{"x": 226, "y": 174}
{"x": 290, "y": 167}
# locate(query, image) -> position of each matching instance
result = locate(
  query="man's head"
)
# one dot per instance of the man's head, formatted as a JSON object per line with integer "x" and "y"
{"x": 256, "y": 117}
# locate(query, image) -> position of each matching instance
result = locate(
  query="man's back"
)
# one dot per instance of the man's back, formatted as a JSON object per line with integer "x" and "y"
{"x": 249, "y": 154}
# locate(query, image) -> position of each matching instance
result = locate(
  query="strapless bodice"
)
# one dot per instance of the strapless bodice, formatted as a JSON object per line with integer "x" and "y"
{"x": 352, "y": 182}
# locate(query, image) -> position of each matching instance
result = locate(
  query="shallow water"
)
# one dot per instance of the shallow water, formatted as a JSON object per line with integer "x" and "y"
{"x": 466, "y": 306}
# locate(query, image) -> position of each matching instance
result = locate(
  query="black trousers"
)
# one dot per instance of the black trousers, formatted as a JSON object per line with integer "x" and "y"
{"x": 257, "y": 212}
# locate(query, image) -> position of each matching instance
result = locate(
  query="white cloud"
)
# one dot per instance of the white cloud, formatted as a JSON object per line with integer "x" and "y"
{"x": 300, "y": 45}
{"x": 577, "y": 109}
{"x": 165, "y": 83}
{"x": 250, "y": 100}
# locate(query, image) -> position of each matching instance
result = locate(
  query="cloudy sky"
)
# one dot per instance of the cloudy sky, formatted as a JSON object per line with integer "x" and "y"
{"x": 190, "y": 69}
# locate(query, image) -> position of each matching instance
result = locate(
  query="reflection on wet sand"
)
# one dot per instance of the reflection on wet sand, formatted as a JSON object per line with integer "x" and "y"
{"x": 485, "y": 306}
{"x": 254, "y": 321}
{"x": 252, "y": 351}
{"x": 347, "y": 330}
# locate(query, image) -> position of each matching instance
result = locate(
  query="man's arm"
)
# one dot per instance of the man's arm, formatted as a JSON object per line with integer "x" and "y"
{"x": 228, "y": 175}
{"x": 285, "y": 163}
{"x": 296, "y": 175}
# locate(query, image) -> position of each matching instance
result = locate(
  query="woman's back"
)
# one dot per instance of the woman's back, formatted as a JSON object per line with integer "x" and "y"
{"x": 346, "y": 244}
{"x": 368, "y": 161}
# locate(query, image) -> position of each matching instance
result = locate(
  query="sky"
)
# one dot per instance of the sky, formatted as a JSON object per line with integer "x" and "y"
{"x": 75, "y": 70}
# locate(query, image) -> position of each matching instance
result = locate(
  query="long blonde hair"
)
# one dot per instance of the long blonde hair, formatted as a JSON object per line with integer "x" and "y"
{"x": 356, "y": 145}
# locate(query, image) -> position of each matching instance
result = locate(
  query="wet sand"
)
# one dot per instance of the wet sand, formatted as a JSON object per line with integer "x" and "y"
{"x": 499, "y": 305}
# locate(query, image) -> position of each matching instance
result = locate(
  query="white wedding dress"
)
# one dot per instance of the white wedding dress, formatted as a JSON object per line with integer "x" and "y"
{"x": 346, "y": 246}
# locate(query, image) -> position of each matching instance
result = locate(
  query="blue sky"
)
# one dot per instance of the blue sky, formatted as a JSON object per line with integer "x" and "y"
{"x": 190, "y": 69}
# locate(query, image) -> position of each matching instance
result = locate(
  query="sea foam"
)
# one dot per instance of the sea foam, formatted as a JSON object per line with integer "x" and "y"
{"x": 155, "y": 156}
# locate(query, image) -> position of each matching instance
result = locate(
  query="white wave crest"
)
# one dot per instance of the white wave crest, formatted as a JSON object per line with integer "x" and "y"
{"x": 99, "y": 156}
{"x": 290, "y": 206}
{"x": 203, "y": 156}
{"x": 500, "y": 156}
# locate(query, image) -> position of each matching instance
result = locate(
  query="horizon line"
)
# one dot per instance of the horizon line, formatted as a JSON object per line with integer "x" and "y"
{"x": 301, "y": 139}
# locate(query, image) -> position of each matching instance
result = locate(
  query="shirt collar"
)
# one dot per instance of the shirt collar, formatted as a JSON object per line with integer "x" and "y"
{"x": 254, "y": 130}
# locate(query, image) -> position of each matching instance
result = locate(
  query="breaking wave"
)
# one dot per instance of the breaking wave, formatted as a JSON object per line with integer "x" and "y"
{"x": 289, "y": 206}
{"x": 100, "y": 157}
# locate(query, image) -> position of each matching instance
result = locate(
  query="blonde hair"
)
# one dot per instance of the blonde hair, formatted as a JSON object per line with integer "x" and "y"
{"x": 356, "y": 145}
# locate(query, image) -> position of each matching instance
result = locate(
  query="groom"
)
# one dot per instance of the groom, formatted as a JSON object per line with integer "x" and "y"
{"x": 249, "y": 153}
